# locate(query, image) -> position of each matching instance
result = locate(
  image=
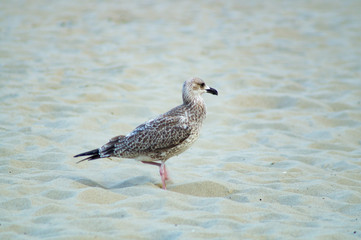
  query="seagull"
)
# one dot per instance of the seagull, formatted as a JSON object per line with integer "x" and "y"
{"x": 163, "y": 137}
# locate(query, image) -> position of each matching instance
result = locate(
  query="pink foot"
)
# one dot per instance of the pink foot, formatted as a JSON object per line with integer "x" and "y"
{"x": 162, "y": 171}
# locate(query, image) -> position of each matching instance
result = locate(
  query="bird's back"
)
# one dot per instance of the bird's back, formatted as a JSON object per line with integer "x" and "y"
{"x": 159, "y": 139}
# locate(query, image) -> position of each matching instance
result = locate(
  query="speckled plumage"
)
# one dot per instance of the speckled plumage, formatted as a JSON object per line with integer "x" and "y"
{"x": 165, "y": 136}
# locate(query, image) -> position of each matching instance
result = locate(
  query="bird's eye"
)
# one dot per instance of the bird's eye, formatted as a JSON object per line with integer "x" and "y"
{"x": 202, "y": 84}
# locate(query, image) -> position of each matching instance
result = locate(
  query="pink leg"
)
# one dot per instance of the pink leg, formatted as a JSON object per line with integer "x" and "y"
{"x": 163, "y": 174}
{"x": 162, "y": 171}
{"x": 152, "y": 163}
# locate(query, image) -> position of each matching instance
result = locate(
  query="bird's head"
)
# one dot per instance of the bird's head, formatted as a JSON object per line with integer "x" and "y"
{"x": 194, "y": 87}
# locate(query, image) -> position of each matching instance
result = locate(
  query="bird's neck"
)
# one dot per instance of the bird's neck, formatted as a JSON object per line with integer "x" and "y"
{"x": 196, "y": 107}
{"x": 193, "y": 100}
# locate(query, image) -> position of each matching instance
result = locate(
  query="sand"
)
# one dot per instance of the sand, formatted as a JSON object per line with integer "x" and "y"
{"x": 279, "y": 153}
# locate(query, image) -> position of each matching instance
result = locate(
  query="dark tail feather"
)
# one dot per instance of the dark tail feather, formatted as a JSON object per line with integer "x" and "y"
{"x": 94, "y": 154}
{"x": 107, "y": 150}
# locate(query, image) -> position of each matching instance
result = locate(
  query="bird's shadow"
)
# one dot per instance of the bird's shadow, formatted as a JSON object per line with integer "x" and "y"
{"x": 130, "y": 182}
{"x": 134, "y": 181}
{"x": 198, "y": 188}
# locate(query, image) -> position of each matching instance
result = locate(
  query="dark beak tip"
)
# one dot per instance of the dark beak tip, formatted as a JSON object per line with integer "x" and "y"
{"x": 212, "y": 91}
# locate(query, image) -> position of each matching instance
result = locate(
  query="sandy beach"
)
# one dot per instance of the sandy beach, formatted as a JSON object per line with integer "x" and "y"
{"x": 279, "y": 155}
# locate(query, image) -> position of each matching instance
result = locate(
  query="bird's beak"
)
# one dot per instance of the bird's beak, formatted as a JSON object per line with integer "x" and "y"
{"x": 212, "y": 91}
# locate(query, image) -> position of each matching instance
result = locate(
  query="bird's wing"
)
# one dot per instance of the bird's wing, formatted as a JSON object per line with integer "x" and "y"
{"x": 161, "y": 133}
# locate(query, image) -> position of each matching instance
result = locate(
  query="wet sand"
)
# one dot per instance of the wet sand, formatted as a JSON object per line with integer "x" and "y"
{"x": 279, "y": 153}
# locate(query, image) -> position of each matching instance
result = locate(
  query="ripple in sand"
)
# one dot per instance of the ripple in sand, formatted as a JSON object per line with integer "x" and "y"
{"x": 99, "y": 196}
{"x": 16, "y": 204}
{"x": 202, "y": 189}
{"x": 59, "y": 195}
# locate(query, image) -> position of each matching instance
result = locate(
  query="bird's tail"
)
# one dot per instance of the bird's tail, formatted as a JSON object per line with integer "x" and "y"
{"x": 107, "y": 150}
{"x": 93, "y": 154}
